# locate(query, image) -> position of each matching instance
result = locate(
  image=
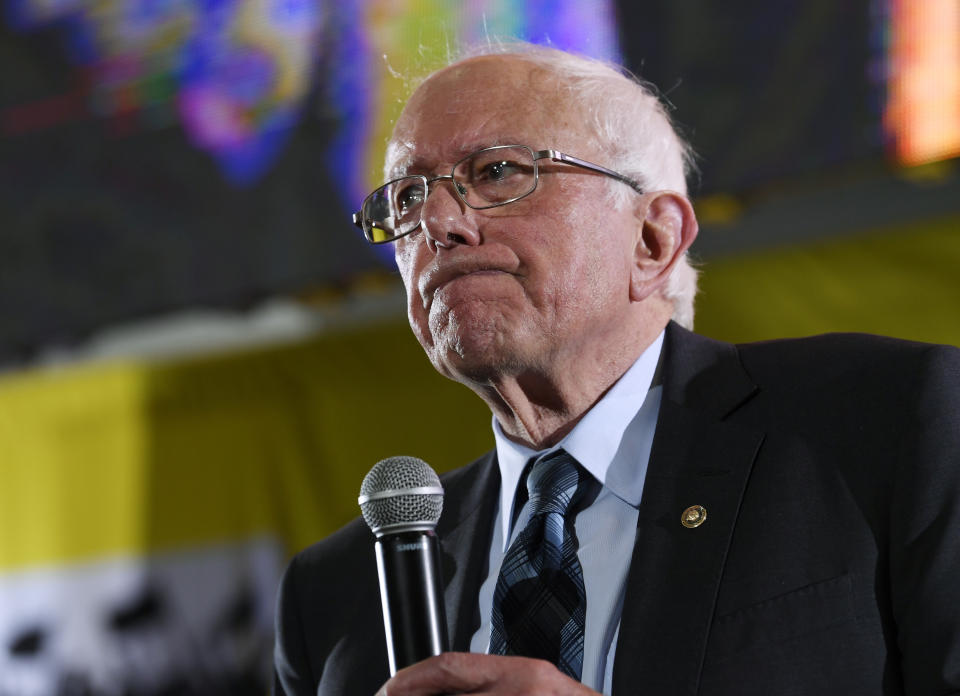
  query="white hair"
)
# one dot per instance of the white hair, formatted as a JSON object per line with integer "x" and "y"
{"x": 632, "y": 126}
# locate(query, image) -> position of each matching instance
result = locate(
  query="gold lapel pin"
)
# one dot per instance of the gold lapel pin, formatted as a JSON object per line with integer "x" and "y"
{"x": 693, "y": 516}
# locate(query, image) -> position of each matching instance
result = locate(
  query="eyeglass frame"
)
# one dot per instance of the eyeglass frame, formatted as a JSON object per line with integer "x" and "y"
{"x": 538, "y": 155}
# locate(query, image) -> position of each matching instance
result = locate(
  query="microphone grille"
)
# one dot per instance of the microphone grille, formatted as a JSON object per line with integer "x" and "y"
{"x": 401, "y": 494}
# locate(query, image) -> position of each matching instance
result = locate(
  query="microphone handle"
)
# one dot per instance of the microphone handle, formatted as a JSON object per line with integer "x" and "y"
{"x": 411, "y": 592}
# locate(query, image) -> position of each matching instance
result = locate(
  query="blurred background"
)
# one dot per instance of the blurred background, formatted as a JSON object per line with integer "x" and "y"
{"x": 200, "y": 358}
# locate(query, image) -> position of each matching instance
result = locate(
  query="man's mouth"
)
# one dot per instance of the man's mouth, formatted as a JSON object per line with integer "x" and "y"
{"x": 434, "y": 280}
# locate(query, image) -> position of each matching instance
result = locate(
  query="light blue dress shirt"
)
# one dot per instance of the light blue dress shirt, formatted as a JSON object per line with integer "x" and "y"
{"x": 612, "y": 441}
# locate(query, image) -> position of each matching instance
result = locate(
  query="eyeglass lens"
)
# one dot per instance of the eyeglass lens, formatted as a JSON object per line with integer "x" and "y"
{"x": 496, "y": 175}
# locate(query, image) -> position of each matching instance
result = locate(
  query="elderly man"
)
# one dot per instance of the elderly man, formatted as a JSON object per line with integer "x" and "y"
{"x": 663, "y": 513}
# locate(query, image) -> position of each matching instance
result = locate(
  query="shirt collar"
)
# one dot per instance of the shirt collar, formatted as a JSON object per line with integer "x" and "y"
{"x": 617, "y": 427}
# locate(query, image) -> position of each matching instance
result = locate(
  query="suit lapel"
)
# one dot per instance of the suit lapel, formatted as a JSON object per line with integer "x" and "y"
{"x": 465, "y": 544}
{"x": 698, "y": 458}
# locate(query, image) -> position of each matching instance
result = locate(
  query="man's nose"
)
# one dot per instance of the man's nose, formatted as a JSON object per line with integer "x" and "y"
{"x": 445, "y": 218}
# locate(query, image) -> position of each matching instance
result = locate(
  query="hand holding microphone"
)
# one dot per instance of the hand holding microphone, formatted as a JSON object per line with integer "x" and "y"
{"x": 401, "y": 500}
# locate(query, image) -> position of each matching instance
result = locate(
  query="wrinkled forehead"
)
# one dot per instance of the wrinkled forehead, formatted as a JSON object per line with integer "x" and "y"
{"x": 493, "y": 100}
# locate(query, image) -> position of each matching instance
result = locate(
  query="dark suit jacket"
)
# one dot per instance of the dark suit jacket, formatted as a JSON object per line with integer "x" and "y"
{"x": 829, "y": 562}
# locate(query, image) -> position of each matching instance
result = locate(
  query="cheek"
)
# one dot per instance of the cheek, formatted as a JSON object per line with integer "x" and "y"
{"x": 407, "y": 258}
{"x": 593, "y": 258}
{"x": 403, "y": 255}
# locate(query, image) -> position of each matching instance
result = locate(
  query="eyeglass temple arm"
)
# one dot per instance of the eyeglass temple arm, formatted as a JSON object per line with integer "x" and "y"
{"x": 357, "y": 219}
{"x": 577, "y": 162}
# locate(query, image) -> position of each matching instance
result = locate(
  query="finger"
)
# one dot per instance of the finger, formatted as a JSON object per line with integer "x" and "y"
{"x": 449, "y": 673}
{"x": 481, "y": 675}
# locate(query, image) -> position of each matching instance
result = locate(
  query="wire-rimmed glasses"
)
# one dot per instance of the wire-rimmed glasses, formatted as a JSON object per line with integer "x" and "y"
{"x": 487, "y": 178}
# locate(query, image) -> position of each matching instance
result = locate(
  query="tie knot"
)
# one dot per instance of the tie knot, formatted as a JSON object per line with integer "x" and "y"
{"x": 553, "y": 482}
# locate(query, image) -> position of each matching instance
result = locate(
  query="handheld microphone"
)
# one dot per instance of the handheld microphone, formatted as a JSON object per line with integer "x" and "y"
{"x": 401, "y": 500}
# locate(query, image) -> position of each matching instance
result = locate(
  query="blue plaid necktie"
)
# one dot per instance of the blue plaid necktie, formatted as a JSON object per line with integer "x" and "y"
{"x": 539, "y": 604}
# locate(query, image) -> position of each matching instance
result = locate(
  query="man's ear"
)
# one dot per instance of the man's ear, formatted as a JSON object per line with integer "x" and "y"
{"x": 667, "y": 229}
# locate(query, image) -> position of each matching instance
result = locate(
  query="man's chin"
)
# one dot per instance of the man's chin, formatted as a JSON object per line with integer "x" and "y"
{"x": 474, "y": 359}
{"x": 473, "y": 346}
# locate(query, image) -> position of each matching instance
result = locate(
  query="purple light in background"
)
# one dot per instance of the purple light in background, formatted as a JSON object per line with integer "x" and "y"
{"x": 349, "y": 93}
{"x": 231, "y": 102}
{"x": 588, "y": 28}
{"x": 238, "y": 70}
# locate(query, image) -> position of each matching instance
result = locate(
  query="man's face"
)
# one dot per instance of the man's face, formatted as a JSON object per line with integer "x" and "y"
{"x": 523, "y": 288}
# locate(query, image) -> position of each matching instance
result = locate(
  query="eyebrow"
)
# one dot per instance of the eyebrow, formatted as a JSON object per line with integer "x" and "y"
{"x": 409, "y": 162}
